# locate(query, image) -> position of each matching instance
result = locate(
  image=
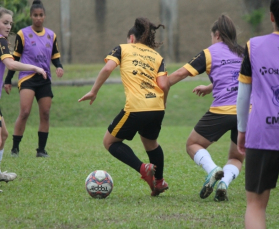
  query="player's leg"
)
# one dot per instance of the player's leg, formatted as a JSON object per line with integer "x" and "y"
{"x": 124, "y": 126}
{"x": 261, "y": 175}
{"x": 44, "y": 104}
{"x": 26, "y": 101}
{"x": 4, "y": 176}
{"x": 149, "y": 130}
{"x": 255, "y": 210}
{"x": 156, "y": 157}
{"x": 231, "y": 171}
{"x": 196, "y": 148}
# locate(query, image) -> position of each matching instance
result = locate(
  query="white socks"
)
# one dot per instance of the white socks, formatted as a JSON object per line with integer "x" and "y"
{"x": 1, "y": 156}
{"x": 230, "y": 173}
{"x": 203, "y": 158}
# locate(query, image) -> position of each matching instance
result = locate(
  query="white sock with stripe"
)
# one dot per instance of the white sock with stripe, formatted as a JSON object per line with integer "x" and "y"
{"x": 230, "y": 173}
{"x": 203, "y": 159}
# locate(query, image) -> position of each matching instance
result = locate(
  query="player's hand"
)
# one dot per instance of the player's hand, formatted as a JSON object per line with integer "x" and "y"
{"x": 89, "y": 96}
{"x": 59, "y": 72}
{"x": 42, "y": 72}
{"x": 8, "y": 88}
{"x": 201, "y": 90}
{"x": 241, "y": 142}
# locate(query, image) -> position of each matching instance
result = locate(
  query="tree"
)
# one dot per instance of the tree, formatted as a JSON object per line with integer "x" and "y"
{"x": 20, "y": 8}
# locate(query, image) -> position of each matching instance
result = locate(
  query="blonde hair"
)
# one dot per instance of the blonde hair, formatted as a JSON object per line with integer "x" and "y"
{"x": 5, "y": 11}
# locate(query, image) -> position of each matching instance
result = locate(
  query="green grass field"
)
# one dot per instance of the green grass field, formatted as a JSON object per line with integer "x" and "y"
{"x": 50, "y": 192}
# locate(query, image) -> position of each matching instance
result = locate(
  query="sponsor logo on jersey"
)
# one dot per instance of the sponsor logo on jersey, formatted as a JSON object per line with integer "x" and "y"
{"x": 235, "y": 75}
{"x": 150, "y": 95}
{"x": 272, "y": 120}
{"x": 265, "y": 70}
{"x": 33, "y": 43}
{"x": 48, "y": 36}
{"x": 135, "y": 72}
{"x": 145, "y": 84}
{"x": 230, "y": 61}
{"x": 275, "y": 98}
{"x": 48, "y": 45}
{"x": 232, "y": 89}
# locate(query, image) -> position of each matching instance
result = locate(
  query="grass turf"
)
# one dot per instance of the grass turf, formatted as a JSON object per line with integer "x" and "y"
{"x": 50, "y": 192}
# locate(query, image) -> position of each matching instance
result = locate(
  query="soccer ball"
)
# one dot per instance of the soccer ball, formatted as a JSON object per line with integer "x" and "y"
{"x": 99, "y": 184}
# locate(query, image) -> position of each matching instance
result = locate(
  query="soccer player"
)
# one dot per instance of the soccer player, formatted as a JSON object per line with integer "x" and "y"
{"x": 7, "y": 60}
{"x": 38, "y": 46}
{"x": 221, "y": 61}
{"x": 146, "y": 87}
{"x": 258, "y": 136}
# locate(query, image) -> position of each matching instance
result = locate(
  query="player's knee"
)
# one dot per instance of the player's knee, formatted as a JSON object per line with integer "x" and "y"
{"x": 24, "y": 114}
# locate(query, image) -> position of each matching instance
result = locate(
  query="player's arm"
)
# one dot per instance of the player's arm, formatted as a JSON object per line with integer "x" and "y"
{"x": 112, "y": 61}
{"x": 17, "y": 54}
{"x": 243, "y": 99}
{"x": 203, "y": 90}
{"x": 163, "y": 81}
{"x": 195, "y": 66}
{"x": 55, "y": 59}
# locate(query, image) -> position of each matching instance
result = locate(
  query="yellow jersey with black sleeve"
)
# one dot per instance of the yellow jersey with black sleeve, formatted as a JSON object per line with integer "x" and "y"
{"x": 139, "y": 67}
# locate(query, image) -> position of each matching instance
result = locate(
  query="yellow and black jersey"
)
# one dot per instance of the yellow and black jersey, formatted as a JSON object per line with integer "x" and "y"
{"x": 4, "y": 48}
{"x": 246, "y": 69}
{"x": 139, "y": 67}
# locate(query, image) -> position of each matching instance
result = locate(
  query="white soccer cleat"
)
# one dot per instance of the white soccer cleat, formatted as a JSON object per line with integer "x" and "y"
{"x": 5, "y": 176}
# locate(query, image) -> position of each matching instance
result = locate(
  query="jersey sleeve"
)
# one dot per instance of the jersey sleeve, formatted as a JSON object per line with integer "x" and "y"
{"x": 162, "y": 69}
{"x": 55, "y": 50}
{"x": 198, "y": 64}
{"x": 245, "y": 75}
{"x": 114, "y": 55}
{"x": 19, "y": 44}
{"x": 4, "y": 49}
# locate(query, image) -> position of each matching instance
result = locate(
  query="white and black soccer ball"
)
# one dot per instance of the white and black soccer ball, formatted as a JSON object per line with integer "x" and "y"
{"x": 99, "y": 184}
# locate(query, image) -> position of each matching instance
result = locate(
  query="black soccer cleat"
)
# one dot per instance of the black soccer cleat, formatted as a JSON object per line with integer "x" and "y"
{"x": 15, "y": 152}
{"x": 41, "y": 153}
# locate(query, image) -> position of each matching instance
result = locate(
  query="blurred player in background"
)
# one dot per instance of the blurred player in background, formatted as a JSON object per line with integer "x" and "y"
{"x": 6, "y": 21}
{"x": 258, "y": 137}
{"x": 35, "y": 45}
{"x": 146, "y": 87}
{"x": 221, "y": 61}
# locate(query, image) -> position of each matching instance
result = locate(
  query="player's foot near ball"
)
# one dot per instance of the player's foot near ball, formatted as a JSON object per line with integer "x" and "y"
{"x": 147, "y": 172}
{"x": 211, "y": 179}
{"x": 160, "y": 186}
{"x": 5, "y": 176}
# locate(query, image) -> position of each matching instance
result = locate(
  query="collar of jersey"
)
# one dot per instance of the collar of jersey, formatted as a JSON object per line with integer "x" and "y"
{"x": 42, "y": 33}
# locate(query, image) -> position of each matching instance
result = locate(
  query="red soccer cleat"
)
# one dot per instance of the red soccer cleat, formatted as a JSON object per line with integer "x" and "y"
{"x": 147, "y": 172}
{"x": 160, "y": 187}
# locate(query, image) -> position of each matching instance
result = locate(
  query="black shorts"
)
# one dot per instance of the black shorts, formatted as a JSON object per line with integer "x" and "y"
{"x": 213, "y": 126}
{"x": 41, "y": 86}
{"x": 261, "y": 170}
{"x": 127, "y": 124}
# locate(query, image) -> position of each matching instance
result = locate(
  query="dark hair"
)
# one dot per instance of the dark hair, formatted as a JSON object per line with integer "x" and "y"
{"x": 37, "y": 4}
{"x": 224, "y": 25}
{"x": 274, "y": 9}
{"x": 144, "y": 32}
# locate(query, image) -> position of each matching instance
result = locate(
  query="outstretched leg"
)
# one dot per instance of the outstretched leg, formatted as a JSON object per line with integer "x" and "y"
{"x": 196, "y": 148}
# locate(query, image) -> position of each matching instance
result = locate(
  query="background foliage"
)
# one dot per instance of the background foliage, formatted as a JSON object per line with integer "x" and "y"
{"x": 20, "y": 8}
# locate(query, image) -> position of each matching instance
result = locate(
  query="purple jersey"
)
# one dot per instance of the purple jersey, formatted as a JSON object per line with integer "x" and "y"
{"x": 37, "y": 50}
{"x": 222, "y": 67}
{"x": 4, "y": 53}
{"x": 263, "y": 124}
